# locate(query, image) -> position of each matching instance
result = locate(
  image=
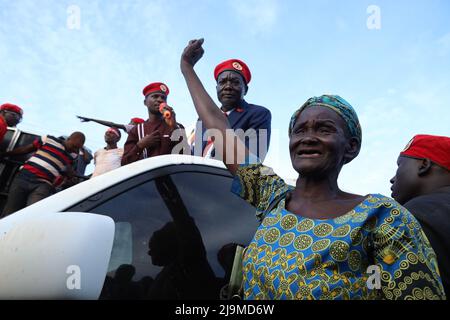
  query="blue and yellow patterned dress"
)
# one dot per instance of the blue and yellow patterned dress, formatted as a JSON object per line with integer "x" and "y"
{"x": 292, "y": 257}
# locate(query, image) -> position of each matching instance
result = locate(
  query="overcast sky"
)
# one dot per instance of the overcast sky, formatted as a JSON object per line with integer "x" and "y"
{"x": 389, "y": 59}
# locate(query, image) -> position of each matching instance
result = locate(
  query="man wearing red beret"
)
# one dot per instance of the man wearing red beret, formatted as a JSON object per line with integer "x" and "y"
{"x": 10, "y": 116}
{"x": 153, "y": 137}
{"x": 232, "y": 78}
{"x": 422, "y": 185}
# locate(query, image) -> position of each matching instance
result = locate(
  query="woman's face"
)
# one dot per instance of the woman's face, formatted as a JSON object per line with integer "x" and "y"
{"x": 318, "y": 143}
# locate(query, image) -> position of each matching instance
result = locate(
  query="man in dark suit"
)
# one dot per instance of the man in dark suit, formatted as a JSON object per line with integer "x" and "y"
{"x": 232, "y": 77}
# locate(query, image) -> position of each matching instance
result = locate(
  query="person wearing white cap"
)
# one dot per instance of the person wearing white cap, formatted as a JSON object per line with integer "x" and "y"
{"x": 109, "y": 157}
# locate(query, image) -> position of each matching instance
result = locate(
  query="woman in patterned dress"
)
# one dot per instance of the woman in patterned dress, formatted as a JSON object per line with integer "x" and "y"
{"x": 316, "y": 241}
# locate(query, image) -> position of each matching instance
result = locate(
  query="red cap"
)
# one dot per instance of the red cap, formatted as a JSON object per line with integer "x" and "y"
{"x": 435, "y": 148}
{"x": 114, "y": 130}
{"x": 234, "y": 65}
{"x": 155, "y": 87}
{"x": 11, "y": 107}
{"x": 137, "y": 120}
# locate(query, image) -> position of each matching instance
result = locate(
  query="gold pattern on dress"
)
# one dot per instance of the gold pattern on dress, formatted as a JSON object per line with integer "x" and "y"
{"x": 345, "y": 218}
{"x": 305, "y": 225}
{"x": 321, "y": 245}
{"x": 289, "y": 222}
{"x": 359, "y": 217}
{"x": 322, "y": 229}
{"x": 303, "y": 242}
{"x": 272, "y": 235}
{"x": 356, "y": 236}
{"x": 271, "y": 221}
{"x": 339, "y": 250}
{"x": 287, "y": 239}
{"x": 260, "y": 233}
{"x": 288, "y": 259}
{"x": 341, "y": 231}
{"x": 354, "y": 260}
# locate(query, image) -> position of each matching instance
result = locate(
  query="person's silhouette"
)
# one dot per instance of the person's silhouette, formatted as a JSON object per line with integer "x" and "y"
{"x": 178, "y": 247}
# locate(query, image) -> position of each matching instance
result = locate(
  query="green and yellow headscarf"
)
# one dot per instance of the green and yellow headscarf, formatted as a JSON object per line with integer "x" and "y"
{"x": 337, "y": 104}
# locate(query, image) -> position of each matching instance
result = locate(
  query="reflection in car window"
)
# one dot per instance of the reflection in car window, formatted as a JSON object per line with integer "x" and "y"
{"x": 122, "y": 246}
{"x": 207, "y": 221}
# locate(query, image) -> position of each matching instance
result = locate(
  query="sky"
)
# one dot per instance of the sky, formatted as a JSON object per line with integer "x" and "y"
{"x": 389, "y": 59}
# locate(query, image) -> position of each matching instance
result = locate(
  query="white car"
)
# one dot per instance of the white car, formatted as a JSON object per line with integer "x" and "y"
{"x": 160, "y": 228}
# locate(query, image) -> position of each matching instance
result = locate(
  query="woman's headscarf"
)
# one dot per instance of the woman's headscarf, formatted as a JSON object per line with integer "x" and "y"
{"x": 337, "y": 104}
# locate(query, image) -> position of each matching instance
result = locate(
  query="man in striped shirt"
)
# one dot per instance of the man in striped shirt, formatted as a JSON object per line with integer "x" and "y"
{"x": 46, "y": 168}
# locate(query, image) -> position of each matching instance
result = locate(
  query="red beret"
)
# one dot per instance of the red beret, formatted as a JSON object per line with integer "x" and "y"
{"x": 435, "y": 148}
{"x": 234, "y": 65}
{"x": 12, "y": 107}
{"x": 156, "y": 87}
{"x": 114, "y": 130}
{"x": 137, "y": 120}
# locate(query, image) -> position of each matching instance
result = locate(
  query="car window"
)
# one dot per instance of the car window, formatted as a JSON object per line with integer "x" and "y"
{"x": 175, "y": 237}
{"x": 122, "y": 246}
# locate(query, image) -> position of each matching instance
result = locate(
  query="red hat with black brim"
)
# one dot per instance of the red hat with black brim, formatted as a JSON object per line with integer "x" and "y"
{"x": 235, "y": 65}
{"x": 435, "y": 148}
{"x": 11, "y": 107}
{"x": 137, "y": 120}
{"x": 155, "y": 87}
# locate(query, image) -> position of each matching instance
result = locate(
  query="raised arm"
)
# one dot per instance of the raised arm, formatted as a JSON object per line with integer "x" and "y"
{"x": 103, "y": 122}
{"x": 207, "y": 110}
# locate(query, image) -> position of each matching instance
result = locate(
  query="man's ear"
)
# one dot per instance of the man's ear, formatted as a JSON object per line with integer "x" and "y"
{"x": 352, "y": 149}
{"x": 424, "y": 167}
{"x": 245, "y": 90}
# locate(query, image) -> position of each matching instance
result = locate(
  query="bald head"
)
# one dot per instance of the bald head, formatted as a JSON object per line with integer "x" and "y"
{"x": 78, "y": 136}
{"x": 75, "y": 142}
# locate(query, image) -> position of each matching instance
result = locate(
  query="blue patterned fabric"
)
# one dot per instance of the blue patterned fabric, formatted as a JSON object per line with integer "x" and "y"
{"x": 292, "y": 257}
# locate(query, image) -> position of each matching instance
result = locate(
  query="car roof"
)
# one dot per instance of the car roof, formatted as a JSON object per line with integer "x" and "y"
{"x": 73, "y": 195}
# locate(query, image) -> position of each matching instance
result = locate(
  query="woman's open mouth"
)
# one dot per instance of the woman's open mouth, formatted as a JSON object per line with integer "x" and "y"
{"x": 309, "y": 153}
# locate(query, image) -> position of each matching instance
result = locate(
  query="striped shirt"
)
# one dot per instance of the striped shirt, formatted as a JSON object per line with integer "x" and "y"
{"x": 50, "y": 160}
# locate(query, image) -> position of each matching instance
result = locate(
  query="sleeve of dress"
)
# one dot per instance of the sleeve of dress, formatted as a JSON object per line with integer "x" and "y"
{"x": 408, "y": 265}
{"x": 259, "y": 186}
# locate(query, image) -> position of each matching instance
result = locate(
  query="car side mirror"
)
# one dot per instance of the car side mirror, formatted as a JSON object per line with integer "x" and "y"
{"x": 54, "y": 255}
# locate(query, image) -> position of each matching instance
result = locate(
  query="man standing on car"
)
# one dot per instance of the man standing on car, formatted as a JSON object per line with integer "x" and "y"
{"x": 45, "y": 169}
{"x": 153, "y": 137}
{"x": 10, "y": 116}
{"x": 232, "y": 77}
{"x": 109, "y": 157}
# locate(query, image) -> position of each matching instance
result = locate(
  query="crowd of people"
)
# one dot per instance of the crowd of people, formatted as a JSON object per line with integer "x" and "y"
{"x": 314, "y": 240}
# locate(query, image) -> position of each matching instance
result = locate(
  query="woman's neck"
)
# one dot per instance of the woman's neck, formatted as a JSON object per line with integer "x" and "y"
{"x": 319, "y": 189}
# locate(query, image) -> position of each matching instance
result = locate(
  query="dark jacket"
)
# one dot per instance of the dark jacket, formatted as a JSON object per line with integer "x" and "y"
{"x": 247, "y": 116}
{"x": 433, "y": 212}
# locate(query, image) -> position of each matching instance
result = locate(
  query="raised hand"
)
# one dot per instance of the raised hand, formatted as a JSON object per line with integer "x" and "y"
{"x": 192, "y": 53}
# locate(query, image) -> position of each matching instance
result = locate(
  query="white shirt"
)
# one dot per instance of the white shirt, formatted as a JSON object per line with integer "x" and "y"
{"x": 107, "y": 160}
